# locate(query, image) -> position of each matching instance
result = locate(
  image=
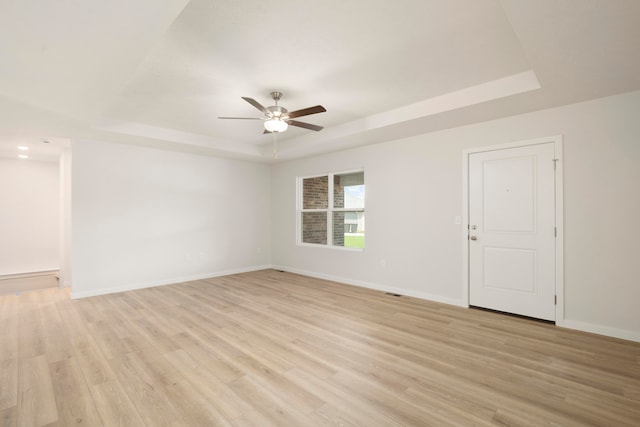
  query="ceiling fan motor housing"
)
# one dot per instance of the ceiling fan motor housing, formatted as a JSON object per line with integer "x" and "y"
{"x": 277, "y": 111}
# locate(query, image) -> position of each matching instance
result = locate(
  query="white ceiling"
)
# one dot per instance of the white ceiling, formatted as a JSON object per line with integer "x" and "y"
{"x": 158, "y": 73}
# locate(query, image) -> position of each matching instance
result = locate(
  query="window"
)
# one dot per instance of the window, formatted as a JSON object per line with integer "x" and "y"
{"x": 336, "y": 199}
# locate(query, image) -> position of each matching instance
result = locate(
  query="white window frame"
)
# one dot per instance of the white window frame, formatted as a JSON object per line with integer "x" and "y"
{"x": 330, "y": 210}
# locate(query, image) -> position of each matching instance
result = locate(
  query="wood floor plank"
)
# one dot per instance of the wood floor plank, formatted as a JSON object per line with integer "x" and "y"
{"x": 209, "y": 356}
{"x": 146, "y": 391}
{"x": 31, "y": 333}
{"x": 341, "y": 405}
{"x": 74, "y": 403}
{"x": 283, "y": 347}
{"x": 114, "y": 406}
{"x": 108, "y": 341}
{"x": 206, "y": 383}
{"x": 8, "y": 383}
{"x": 9, "y": 417}
{"x": 270, "y": 348}
{"x": 94, "y": 365}
{"x": 36, "y": 396}
{"x": 450, "y": 408}
{"x": 9, "y": 315}
{"x": 270, "y": 406}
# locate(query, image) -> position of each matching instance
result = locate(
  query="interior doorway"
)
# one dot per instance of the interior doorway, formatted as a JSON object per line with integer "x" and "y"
{"x": 35, "y": 214}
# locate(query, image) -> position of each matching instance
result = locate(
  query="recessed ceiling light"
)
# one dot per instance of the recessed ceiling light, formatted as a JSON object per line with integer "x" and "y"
{"x": 23, "y": 156}
{"x": 22, "y": 147}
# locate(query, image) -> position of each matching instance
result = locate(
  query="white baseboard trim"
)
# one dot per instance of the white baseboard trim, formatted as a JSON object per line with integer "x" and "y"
{"x": 624, "y": 334}
{"x": 24, "y": 282}
{"x": 36, "y": 273}
{"x": 376, "y": 286}
{"x": 172, "y": 281}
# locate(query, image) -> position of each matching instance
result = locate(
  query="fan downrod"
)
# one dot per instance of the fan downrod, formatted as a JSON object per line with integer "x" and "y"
{"x": 276, "y": 96}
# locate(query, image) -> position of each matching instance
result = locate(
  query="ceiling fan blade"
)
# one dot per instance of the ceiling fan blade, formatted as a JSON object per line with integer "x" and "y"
{"x": 306, "y": 111}
{"x": 305, "y": 125}
{"x": 255, "y": 104}
{"x": 241, "y": 118}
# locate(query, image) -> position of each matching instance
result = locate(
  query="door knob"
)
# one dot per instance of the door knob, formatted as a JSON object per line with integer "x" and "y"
{"x": 473, "y": 238}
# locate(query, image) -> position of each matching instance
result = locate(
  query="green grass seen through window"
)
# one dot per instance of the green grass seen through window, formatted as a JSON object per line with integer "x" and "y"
{"x": 354, "y": 242}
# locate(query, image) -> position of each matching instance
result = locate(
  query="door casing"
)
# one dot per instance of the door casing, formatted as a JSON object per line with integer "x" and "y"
{"x": 559, "y": 218}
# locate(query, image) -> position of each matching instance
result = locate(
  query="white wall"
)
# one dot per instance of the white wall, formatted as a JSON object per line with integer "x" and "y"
{"x": 144, "y": 217}
{"x": 414, "y": 191}
{"x": 29, "y": 216}
{"x": 65, "y": 217}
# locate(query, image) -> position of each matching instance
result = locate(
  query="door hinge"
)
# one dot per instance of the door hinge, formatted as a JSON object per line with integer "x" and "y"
{"x": 555, "y": 163}
{"x": 555, "y": 300}
{"x": 555, "y": 231}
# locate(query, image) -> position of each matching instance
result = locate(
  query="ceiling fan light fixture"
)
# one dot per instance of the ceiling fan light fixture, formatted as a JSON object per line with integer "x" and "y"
{"x": 276, "y": 125}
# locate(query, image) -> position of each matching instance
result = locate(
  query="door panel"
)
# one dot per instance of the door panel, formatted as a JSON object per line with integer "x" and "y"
{"x": 512, "y": 230}
{"x": 509, "y": 195}
{"x": 510, "y": 269}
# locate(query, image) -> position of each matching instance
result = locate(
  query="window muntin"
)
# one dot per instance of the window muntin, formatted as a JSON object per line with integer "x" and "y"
{"x": 337, "y": 199}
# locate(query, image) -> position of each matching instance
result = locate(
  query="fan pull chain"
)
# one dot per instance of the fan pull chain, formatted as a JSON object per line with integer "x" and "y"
{"x": 275, "y": 145}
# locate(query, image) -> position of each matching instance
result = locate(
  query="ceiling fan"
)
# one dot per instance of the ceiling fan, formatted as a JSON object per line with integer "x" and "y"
{"x": 277, "y": 119}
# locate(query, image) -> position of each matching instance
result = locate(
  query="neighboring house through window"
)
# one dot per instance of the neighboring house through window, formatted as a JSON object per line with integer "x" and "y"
{"x": 336, "y": 199}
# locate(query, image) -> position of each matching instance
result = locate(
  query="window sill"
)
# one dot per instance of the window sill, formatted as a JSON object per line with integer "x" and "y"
{"x": 338, "y": 248}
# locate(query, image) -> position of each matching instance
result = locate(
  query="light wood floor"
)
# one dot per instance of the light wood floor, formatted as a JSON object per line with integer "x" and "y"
{"x": 278, "y": 349}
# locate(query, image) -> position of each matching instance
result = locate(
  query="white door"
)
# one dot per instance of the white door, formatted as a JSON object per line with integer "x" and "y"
{"x": 512, "y": 230}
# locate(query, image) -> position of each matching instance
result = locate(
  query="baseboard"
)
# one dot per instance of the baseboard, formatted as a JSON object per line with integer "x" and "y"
{"x": 624, "y": 334}
{"x": 376, "y": 286}
{"x": 32, "y": 281}
{"x": 172, "y": 281}
{"x": 36, "y": 273}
